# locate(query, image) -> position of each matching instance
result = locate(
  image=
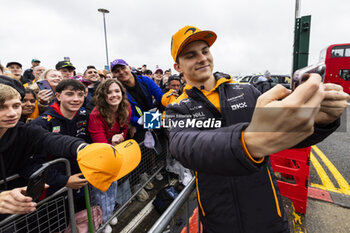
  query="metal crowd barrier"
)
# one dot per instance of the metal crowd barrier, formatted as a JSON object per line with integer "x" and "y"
{"x": 181, "y": 215}
{"x": 51, "y": 212}
{"x": 127, "y": 188}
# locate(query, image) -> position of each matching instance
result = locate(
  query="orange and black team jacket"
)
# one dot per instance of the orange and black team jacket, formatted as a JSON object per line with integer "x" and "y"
{"x": 235, "y": 192}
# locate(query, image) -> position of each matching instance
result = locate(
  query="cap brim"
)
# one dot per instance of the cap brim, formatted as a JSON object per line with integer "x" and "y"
{"x": 130, "y": 153}
{"x": 207, "y": 36}
{"x": 13, "y": 63}
{"x": 68, "y": 67}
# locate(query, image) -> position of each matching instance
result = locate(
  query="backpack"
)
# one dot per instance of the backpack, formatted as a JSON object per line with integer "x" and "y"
{"x": 164, "y": 198}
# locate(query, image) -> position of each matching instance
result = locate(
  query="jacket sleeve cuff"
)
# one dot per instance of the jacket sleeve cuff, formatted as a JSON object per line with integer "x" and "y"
{"x": 249, "y": 156}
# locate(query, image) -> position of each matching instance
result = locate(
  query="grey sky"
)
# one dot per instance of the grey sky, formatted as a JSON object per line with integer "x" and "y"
{"x": 253, "y": 35}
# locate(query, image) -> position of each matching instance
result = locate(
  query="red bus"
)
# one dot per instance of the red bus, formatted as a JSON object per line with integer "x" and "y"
{"x": 337, "y": 60}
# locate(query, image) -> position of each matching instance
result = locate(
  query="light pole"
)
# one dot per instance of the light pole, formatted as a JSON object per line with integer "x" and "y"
{"x": 104, "y": 11}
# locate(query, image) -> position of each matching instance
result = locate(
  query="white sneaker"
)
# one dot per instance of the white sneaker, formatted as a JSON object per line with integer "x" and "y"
{"x": 142, "y": 195}
{"x": 159, "y": 177}
{"x": 144, "y": 179}
{"x": 114, "y": 221}
{"x": 108, "y": 229}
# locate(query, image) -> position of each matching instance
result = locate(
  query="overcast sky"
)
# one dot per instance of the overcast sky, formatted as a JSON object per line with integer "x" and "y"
{"x": 253, "y": 35}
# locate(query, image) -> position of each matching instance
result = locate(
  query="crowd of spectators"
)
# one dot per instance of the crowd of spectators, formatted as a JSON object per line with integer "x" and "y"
{"x": 63, "y": 111}
{"x": 92, "y": 106}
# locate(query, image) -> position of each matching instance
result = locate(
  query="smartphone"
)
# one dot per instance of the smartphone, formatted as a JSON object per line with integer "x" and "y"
{"x": 44, "y": 85}
{"x": 303, "y": 74}
{"x": 36, "y": 183}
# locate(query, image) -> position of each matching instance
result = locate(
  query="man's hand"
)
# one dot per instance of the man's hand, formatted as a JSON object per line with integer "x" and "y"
{"x": 117, "y": 138}
{"x": 14, "y": 202}
{"x": 333, "y": 105}
{"x": 75, "y": 182}
{"x": 280, "y": 124}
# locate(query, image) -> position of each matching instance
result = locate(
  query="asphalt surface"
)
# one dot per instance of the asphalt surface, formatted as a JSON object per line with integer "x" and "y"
{"x": 336, "y": 148}
{"x": 330, "y": 211}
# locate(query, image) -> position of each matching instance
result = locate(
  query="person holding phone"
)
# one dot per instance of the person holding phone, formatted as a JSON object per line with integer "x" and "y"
{"x": 46, "y": 92}
{"x": 19, "y": 141}
{"x": 236, "y": 188}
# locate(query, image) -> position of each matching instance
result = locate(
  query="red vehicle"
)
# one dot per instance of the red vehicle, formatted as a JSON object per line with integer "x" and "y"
{"x": 337, "y": 60}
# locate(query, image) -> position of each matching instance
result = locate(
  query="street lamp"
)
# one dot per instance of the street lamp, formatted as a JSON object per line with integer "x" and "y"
{"x": 104, "y": 11}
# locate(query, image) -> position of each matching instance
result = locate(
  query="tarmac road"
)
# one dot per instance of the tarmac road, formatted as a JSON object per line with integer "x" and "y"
{"x": 337, "y": 149}
{"x": 330, "y": 175}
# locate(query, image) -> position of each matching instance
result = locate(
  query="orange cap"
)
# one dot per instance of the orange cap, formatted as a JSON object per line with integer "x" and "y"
{"x": 187, "y": 35}
{"x": 102, "y": 164}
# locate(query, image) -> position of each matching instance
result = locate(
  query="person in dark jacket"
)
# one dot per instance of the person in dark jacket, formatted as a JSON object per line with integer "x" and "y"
{"x": 67, "y": 117}
{"x": 28, "y": 74}
{"x": 264, "y": 82}
{"x": 224, "y": 131}
{"x": 18, "y": 141}
{"x": 91, "y": 75}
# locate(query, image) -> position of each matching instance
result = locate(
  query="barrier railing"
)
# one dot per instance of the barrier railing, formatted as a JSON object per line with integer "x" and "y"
{"x": 181, "y": 215}
{"x": 129, "y": 187}
{"x": 51, "y": 214}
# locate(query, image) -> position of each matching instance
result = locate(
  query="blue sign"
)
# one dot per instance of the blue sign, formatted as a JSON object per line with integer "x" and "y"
{"x": 151, "y": 120}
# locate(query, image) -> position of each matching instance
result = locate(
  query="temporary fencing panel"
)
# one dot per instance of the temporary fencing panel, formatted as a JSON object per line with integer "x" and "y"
{"x": 294, "y": 166}
{"x": 115, "y": 200}
{"x": 51, "y": 215}
{"x": 181, "y": 214}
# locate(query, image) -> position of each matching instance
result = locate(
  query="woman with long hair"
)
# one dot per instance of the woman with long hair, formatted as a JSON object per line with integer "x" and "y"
{"x": 109, "y": 120}
{"x": 109, "y": 123}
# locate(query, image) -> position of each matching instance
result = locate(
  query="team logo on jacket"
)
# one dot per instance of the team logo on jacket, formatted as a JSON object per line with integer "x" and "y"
{"x": 239, "y": 106}
{"x": 56, "y": 129}
{"x": 236, "y": 98}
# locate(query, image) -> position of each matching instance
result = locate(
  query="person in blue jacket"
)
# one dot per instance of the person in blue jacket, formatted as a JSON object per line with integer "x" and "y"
{"x": 143, "y": 94}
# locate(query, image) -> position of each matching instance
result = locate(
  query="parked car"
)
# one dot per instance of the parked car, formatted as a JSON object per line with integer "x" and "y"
{"x": 276, "y": 79}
